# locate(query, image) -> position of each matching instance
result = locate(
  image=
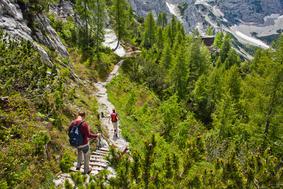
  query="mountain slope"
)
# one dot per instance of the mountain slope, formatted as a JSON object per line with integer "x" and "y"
{"x": 249, "y": 21}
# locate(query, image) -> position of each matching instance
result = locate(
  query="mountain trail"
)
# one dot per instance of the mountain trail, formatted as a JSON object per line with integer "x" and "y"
{"x": 98, "y": 156}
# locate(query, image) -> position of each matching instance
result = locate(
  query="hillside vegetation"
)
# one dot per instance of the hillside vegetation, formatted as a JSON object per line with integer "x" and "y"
{"x": 195, "y": 117}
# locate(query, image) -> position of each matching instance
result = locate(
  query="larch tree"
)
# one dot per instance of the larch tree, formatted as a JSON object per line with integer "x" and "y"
{"x": 98, "y": 24}
{"x": 263, "y": 92}
{"x": 84, "y": 9}
{"x": 166, "y": 57}
{"x": 232, "y": 59}
{"x": 225, "y": 48}
{"x": 179, "y": 74}
{"x": 119, "y": 14}
{"x": 209, "y": 31}
{"x": 149, "y": 35}
{"x": 162, "y": 20}
{"x": 198, "y": 62}
{"x": 218, "y": 39}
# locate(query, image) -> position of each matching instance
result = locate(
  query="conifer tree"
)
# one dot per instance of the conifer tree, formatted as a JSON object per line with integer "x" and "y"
{"x": 166, "y": 57}
{"x": 84, "y": 9}
{"x": 98, "y": 25}
{"x": 218, "y": 39}
{"x": 225, "y": 116}
{"x": 179, "y": 74}
{"x": 200, "y": 100}
{"x": 179, "y": 39}
{"x": 209, "y": 31}
{"x": 174, "y": 26}
{"x": 149, "y": 35}
{"x": 162, "y": 20}
{"x": 148, "y": 161}
{"x": 232, "y": 59}
{"x": 225, "y": 48}
{"x": 135, "y": 169}
{"x": 263, "y": 93}
{"x": 168, "y": 36}
{"x": 119, "y": 13}
{"x": 198, "y": 63}
{"x": 171, "y": 111}
{"x": 232, "y": 83}
{"x": 160, "y": 39}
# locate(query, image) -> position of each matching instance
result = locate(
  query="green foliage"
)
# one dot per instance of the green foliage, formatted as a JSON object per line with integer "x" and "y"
{"x": 190, "y": 123}
{"x": 65, "y": 29}
{"x": 218, "y": 39}
{"x": 66, "y": 163}
{"x": 21, "y": 56}
{"x": 215, "y": 126}
{"x": 90, "y": 33}
{"x": 122, "y": 18}
{"x": 149, "y": 31}
{"x": 162, "y": 20}
{"x": 210, "y": 31}
{"x": 40, "y": 140}
{"x": 225, "y": 48}
{"x": 99, "y": 19}
{"x": 179, "y": 74}
{"x": 171, "y": 113}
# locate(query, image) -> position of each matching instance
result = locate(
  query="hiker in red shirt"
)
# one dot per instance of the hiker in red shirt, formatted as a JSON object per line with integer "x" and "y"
{"x": 114, "y": 120}
{"x": 83, "y": 150}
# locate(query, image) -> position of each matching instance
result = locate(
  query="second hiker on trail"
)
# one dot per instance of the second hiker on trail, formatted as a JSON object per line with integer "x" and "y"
{"x": 79, "y": 133}
{"x": 114, "y": 119}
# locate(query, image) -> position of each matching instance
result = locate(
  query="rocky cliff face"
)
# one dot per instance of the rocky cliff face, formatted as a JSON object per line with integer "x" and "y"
{"x": 13, "y": 22}
{"x": 250, "y": 10}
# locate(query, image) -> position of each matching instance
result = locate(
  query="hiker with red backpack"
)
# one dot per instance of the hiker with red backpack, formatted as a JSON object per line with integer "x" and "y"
{"x": 79, "y": 135}
{"x": 114, "y": 119}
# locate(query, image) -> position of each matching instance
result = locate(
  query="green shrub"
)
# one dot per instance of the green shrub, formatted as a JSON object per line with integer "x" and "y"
{"x": 66, "y": 163}
{"x": 40, "y": 140}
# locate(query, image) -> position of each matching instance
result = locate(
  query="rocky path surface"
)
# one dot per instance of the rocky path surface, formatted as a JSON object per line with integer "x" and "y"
{"x": 105, "y": 107}
{"x": 98, "y": 160}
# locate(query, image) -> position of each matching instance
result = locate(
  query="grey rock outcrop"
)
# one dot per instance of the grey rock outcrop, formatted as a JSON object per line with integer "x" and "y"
{"x": 142, "y": 7}
{"x": 250, "y": 10}
{"x": 63, "y": 10}
{"x": 13, "y": 22}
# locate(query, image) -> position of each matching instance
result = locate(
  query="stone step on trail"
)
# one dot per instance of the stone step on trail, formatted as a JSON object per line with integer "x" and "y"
{"x": 99, "y": 153}
{"x": 102, "y": 152}
{"x": 104, "y": 149}
{"x": 96, "y": 168}
{"x": 98, "y": 164}
{"x": 97, "y": 158}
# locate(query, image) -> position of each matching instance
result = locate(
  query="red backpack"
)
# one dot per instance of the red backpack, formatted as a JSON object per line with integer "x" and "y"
{"x": 114, "y": 117}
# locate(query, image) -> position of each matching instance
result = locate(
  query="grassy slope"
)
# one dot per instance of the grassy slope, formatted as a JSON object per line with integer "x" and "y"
{"x": 34, "y": 142}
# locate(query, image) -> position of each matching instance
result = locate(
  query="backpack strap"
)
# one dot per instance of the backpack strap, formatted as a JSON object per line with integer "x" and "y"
{"x": 81, "y": 123}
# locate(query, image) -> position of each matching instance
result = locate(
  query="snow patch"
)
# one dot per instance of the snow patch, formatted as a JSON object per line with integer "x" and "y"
{"x": 217, "y": 12}
{"x": 173, "y": 9}
{"x": 272, "y": 24}
{"x": 247, "y": 39}
{"x": 111, "y": 40}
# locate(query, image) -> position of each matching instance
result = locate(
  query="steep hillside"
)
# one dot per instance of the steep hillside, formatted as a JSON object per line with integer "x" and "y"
{"x": 45, "y": 79}
{"x": 193, "y": 116}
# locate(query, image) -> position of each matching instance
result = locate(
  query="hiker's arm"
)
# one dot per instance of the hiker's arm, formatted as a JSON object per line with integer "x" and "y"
{"x": 89, "y": 134}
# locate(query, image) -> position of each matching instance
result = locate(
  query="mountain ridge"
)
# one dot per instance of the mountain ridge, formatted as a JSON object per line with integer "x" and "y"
{"x": 244, "y": 20}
